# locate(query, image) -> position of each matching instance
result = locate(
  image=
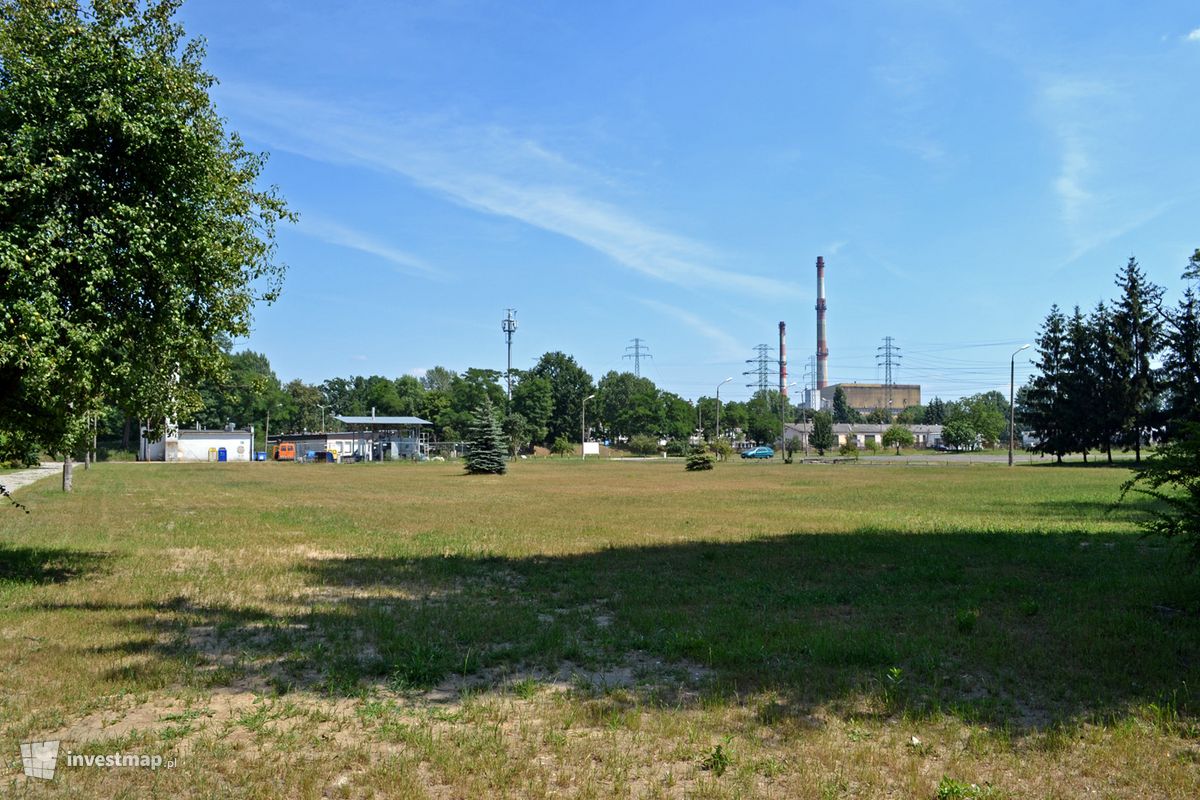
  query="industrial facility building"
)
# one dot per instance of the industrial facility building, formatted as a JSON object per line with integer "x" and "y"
{"x": 862, "y": 433}
{"x": 866, "y": 397}
{"x": 230, "y": 444}
{"x": 372, "y": 438}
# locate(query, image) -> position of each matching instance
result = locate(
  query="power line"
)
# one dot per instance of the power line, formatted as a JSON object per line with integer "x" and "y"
{"x": 762, "y": 371}
{"x": 888, "y": 357}
{"x": 640, "y": 351}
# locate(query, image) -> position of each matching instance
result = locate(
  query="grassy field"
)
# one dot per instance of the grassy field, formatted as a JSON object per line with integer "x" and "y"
{"x": 598, "y": 629}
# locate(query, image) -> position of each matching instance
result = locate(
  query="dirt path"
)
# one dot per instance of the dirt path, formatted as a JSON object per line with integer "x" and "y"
{"x": 16, "y": 480}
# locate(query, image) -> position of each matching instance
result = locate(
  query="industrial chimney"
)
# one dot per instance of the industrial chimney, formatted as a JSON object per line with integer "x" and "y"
{"x": 822, "y": 342}
{"x": 782, "y": 360}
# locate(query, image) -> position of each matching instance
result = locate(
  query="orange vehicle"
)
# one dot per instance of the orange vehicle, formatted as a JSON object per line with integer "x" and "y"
{"x": 285, "y": 451}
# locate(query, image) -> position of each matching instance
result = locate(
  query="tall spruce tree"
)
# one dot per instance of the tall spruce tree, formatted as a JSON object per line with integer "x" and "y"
{"x": 1045, "y": 412}
{"x": 1180, "y": 374}
{"x": 1079, "y": 382}
{"x": 1107, "y": 388}
{"x": 487, "y": 442}
{"x": 1137, "y": 330}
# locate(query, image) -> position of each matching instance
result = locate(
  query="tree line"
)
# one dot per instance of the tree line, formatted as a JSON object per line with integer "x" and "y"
{"x": 1119, "y": 376}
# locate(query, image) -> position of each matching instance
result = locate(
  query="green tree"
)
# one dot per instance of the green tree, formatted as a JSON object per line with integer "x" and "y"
{"x": 822, "y": 432}
{"x": 628, "y": 405}
{"x": 486, "y": 455}
{"x": 898, "y": 436}
{"x": 569, "y": 385}
{"x": 1137, "y": 329}
{"x": 134, "y": 235}
{"x": 1045, "y": 412}
{"x": 960, "y": 434}
{"x": 763, "y": 424}
{"x": 1172, "y": 477}
{"x": 699, "y": 459}
{"x": 643, "y": 445}
{"x": 562, "y": 446}
{"x": 532, "y": 398}
{"x": 1106, "y": 389}
{"x": 842, "y": 412}
{"x": 935, "y": 412}
{"x": 1079, "y": 384}
{"x": 1181, "y": 365}
{"x": 517, "y": 429}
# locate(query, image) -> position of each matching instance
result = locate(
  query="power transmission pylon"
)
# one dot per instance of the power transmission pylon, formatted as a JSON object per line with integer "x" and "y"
{"x": 762, "y": 371}
{"x": 640, "y": 351}
{"x": 888, "y": 357}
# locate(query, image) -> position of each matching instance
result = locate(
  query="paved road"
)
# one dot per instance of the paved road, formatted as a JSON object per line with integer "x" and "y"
{"x": 16, "y": 480}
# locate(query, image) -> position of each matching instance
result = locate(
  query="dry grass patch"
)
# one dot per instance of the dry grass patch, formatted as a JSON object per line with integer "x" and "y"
{"x": 599, "y": 630}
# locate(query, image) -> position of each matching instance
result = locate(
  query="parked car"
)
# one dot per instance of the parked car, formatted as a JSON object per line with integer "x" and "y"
{"x": 759, "y": 452}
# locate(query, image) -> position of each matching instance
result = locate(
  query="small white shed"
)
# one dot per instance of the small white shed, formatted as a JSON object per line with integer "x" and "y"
{"x": 192, "y": 445}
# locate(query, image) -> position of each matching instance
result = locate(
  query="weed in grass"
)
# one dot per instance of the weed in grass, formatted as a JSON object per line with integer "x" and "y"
{"x": 1030, "y": 608}
{"x": 717, "y": 760}
{"x": 950, "y": 789}
{"x": 966, "y": 619}
{"x": 525, "y": 688}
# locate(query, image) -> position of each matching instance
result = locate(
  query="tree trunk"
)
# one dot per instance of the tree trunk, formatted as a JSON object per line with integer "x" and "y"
{"x": 1137, "y": 449}
{"x": 125, "y": 435}
{"x": 1085, "y": 456}
{"x": 1110, "y": 453}
{"x": 68, "y": 468}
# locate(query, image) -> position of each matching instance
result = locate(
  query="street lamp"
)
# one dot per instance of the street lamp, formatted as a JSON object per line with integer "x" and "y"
{"x": 1012, "y": 419}
{"x": 583, "y": 428}
{"x": 719, "y": 385}
{"x": 322, "y": 407}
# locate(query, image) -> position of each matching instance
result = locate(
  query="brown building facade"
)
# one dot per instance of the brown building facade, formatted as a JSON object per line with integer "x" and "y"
{"x": 867, "y": 397}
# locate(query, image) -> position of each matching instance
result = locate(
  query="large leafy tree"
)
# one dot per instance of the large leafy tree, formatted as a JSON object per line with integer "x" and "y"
{"x": 569, "y": 385}
{"x": 134, "y": 234}
{"x": 822, "y": 432}
{"x": 628, "y": 405}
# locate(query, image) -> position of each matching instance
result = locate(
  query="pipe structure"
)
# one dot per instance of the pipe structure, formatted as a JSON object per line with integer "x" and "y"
{"x": 822, "y": 343}
{"x": 783, "y": 384}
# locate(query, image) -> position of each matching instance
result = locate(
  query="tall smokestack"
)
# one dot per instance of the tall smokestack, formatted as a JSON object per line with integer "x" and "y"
{"x": 782, "y": 360}
{"x": 822, "y": 342}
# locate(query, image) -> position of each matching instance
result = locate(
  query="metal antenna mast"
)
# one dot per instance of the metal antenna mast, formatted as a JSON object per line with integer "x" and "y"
{"x": 640, "y": 351}
{"x": 888, "y": 357}
{"x": 509, "y": 326}
{"x": 762, "y": 370}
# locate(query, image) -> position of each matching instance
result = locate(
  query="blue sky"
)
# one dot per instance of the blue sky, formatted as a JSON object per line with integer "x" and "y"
{"x": 671, "y": 171}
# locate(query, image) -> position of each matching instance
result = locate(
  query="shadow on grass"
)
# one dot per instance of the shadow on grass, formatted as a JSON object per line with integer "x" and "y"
{"x": 1024, "y": 630}
{"x": 33, "y": 565}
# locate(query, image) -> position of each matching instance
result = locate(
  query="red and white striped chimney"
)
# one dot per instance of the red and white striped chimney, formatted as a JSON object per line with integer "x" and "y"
{"x": 822, "y": 342}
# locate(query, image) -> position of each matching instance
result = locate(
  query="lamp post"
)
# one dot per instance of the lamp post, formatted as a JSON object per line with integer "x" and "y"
{"x": 1012, "y": 419}
{"x": 583, "y": 428}
{"x": 322, "y": 407}
{"x": 719, "y": 385}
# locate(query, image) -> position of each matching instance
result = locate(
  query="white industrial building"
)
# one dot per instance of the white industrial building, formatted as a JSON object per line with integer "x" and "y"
{"x": 373, "y": 438}
{"x": 863, "y": 432}
{"x": 192, "y": 445}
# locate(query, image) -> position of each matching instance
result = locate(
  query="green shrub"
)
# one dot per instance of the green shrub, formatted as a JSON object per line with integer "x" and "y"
{"x": 643, "y": 445}
{"x": 699, "y": 459}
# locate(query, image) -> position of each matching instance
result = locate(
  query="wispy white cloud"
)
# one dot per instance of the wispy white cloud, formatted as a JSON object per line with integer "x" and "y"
{"x": 727, "y": 346}
{"x": 1194, "y": 36}
{"x": 338, "y": 234}
{"x": 1084, "y": 116}
{"x": 495, "y": 171}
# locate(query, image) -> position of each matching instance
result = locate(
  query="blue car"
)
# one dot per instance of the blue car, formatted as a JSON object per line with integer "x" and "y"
{"x": 759, "y": 452}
